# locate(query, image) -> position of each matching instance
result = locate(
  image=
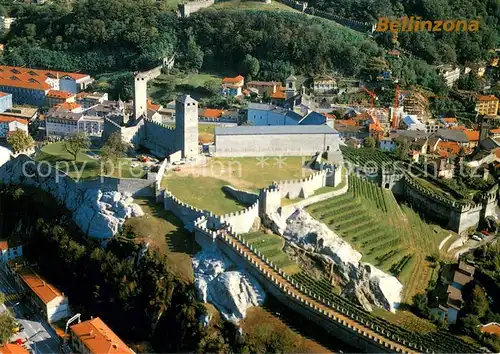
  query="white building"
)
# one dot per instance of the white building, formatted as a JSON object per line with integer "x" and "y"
{"x": 62, "y": 123}
{"x": 11, "y": 124}
{"x": 324, "y": 84}
{"x": 450, "y": 74}
{"x": 6, "y": 22}
{"x": 411, "y": 122}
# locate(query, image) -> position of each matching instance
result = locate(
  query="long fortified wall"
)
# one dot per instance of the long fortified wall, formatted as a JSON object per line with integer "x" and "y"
{"x": 333, "y": 318}
{"x": 457, "y": 216}
{"x": 353, "y": 24}
{"x": 158, "y": 137}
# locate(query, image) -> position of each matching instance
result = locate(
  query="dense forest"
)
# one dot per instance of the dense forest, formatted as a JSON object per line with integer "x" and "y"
{"x": 98, "y": 36}
{"x": 438, "y": 47}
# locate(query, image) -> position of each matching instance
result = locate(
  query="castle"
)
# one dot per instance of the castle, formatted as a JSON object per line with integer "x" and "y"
{"x": 162, "y": 140}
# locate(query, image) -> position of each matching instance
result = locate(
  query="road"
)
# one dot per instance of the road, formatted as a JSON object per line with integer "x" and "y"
{"x": 39, "y": 336}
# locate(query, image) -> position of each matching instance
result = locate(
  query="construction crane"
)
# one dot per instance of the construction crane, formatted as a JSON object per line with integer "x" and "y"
{"x": 395, "y": 122}
{"x": 373, "y": 96}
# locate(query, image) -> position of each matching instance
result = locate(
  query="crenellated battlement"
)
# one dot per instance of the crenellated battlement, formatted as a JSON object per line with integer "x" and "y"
{"x": 254, "y": 206}
{"x": 160, "y": 125}
{"x": 302, "y": 180}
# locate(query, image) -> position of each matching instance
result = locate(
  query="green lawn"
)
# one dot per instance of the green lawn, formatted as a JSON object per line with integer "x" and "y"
{"x": 271, "y": 246}
{"x": 391, "y": 237}
{"x": 253, "y": 173}
{"x": 201, "y": 192}
{"x": 160, "y": 89}
{"x": 85, "y": 166}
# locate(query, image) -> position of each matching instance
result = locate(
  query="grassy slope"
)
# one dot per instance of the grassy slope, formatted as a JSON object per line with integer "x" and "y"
{"x": 165, "y": 232}
{"x": 371, "y": 220}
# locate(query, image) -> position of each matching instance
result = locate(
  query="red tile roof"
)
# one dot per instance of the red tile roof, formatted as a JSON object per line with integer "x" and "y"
{"x": 495, "y": 131}
{"x": 491, "y": 328}
{"x": 99, "y": 338}
{"x": 487, "y": 98}
{"x": 4, "y": 245}
{"x": 233, "y": 80}
{"x": 23, "y": 81}
{"x": 472, "y": 135}
{"x": 60, "y": 94}
{"x": 279, "y": 94}
{"x": 346, "y": 122}
{"x": 450, "y": 120}
{"x": 212, "y": 113}
{"x": 448, "y": 147}
{"x": 8, "y": 119}
{"x": 39, "y": 72}
{"x": 10, "y": 348}
{"x": 40, "y": 287}
{"x": 152, "y": 106}
{"x": 69, "y": 106}
{"x": 2, "y": 94}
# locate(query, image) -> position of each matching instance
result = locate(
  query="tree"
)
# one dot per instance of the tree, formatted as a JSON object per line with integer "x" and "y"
{"x": 75, "y": 143}
{"x": 20, "y": 140}
{"x": 194, "y": 55}
{"x": 250, "y": 67}
{"x": 212, "y": 86}
{"x": 113, "y": 149}
{"x": 6, "y": 326}
{"x": 478, "y": 304}
{"x": 369, "y": 142}
{"x": 2, "y": 298}
{"x": 420, "y": 302}
{"x": 470, "y": 324}
{"x": 402, "y": 150}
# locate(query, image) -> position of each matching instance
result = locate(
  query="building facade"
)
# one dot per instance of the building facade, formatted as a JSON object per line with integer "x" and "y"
{"x": 323, "y": 84}
{"x": 449, "y": 74}
{"x": 42, "y": 296}
{"x": 11, "y": 124}
{"x": 5, "y": 101}
{"x": 261, "y": 87}
{"x": 262, "y": 114}
{"x": 487, "y": 105}
{"x": 232, "y": 86}
{"x": 8, "y": 252}
{"x": 275, "y": 140}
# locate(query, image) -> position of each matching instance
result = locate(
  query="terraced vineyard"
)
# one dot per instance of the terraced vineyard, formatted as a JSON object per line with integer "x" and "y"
{"x": 271, "y": 246}
{"x": 433, "y": 341}
{"x": 366, "y": 157}
{"x": 393, "y": 238}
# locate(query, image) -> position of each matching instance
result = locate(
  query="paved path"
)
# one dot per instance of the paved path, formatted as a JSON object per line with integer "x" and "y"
{"x": 39, "y": 335}
{"x": 312, "y": 301}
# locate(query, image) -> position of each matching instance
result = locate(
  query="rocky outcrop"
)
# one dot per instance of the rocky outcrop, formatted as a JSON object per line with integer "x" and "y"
{"x": 220, "y": 282}
{"x": 362, "y": 280}
{"x": 99, "y": 215}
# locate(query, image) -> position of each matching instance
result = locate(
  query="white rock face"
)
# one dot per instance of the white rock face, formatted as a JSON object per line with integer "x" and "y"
{"x": 99, "y": 214}
{"x": 232, "y": 292}
{"x": 364, "y": 281}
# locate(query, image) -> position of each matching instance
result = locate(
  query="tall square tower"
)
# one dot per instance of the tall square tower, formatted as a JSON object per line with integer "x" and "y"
{"x": 140, "y": 94}
{"x": 186, "y": 125}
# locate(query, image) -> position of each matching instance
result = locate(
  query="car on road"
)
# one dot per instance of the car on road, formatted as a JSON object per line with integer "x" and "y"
{"x": 476, "y": 238}
{"x": 485, "y": 233}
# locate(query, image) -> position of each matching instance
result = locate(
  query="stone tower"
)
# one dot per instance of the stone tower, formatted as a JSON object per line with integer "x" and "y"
{"x": 290, "y": 89}
{"x": 484, "y": 131}
{"x": 140, "y": 94}
{"x": 186, "y": 125}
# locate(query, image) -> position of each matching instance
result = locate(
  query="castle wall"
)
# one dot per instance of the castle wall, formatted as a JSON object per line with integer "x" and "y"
{"x": 158, "y": 138}
{"x": 289, "y": 293}
{"x": 241, "y": 196}
{"x": 274, "y": 145}
{"x": 242, "y": 221}
{"x": 191, "y": 7}
{"x": 185, "y": 212}
{"x": 270, "y": 200}
{"x": 302, "y": 188}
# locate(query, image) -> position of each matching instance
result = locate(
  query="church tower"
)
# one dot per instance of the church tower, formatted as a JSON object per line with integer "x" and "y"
{"x": 290, "y": 89}
{"x": 186, "y": 126}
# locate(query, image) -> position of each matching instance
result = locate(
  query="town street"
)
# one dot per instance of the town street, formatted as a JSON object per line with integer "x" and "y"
{"x": 37, "y": 333}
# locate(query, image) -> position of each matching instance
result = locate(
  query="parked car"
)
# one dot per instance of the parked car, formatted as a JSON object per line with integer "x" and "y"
{"x": 476, "y": 238}
{"x": 485, "y": 233}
